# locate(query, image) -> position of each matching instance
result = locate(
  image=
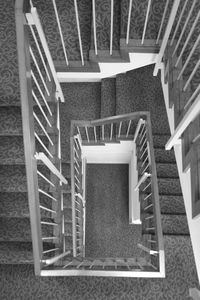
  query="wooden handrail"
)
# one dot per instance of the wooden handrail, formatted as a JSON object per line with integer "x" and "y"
{"x": 155, "y": 199}
{"x": 28, "y": 133}
{"x": 120, "y": 118}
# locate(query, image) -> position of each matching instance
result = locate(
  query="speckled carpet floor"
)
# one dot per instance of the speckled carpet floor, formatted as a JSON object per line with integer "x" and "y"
{"x": 108, "y": 233}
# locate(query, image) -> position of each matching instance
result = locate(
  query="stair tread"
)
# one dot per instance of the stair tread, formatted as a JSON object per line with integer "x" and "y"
{"x": 139, "y": 90}
{"x": 108, "y": 97}
{"x": 18, "y": 229}
{"x": 167, "y": 170}
{"x": 138, "y": 19}
{"x": 66, "y": 14}
{"x": 161, "y": 155}
{"x": 169, "y": 186}
{"x": 103, "y": 25}
{"x": 16, "y": 253}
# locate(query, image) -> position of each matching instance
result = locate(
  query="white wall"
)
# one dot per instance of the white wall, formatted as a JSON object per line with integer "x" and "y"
{"x": 118, "y": 153}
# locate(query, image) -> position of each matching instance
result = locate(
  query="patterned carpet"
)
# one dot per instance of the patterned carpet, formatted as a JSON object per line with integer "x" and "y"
{"x": 108, "y": 233}
{"x": 88, "y": 101}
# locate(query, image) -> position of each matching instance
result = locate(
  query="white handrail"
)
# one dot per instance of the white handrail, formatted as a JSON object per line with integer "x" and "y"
{"x": 189, "y": 116}
{"x": 43, "y": 40}
{"x": 142, "y": 179}
{"x": 166, "y": 36}
{"x": 41, "y": 156}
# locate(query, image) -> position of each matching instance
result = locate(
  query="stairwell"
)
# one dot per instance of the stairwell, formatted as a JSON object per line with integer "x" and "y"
{"x": 134, "y": 91}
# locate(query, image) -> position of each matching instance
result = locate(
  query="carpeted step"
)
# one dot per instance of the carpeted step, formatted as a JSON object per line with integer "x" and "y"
{"x": 11, "y": 150}
{"x": 66, "y": 170}
{"x": 166, "y": 170}
{"x": 174, "y": 224}
{"x": 67, "y": 17}
{"x": 103, "y": 21}
{"x": 16, "y": 205}
{"x": 169, "y": 186}
{"x": 68, "y": 214}
{"x": 11, "y": 121}
{"x": 67, "y": 200}
{"x": 163, "y": 156}
{"x": 108, "y": 97}
{"x": 18, "y": 229}
{"x": 139, "y": 90}
{"x": 68, "y": 229}
{"x": 160, "y": 140}
{"x": 138, "y": 15}
{"x": 16, "y": 253}
{"x": 13, "y": 178}
{"x": 172, "y": 204}
{"x": 82, "y": 102}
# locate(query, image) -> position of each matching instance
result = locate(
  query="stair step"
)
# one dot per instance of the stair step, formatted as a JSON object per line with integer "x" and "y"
{"x": 67, "y": 200}
{"x": 172, "y": 224}
{"x": 175, "y": 225}
{"x": 68, "y": 214}
{"x": 16, "y": 205}
{"x": 108, "y": 97}
{"x": 11, "y": 120}
{"x": 66, "y": 170}
{"x": 103, "y": 25}
{"x": 104, "y": 56}
{"x": 66, "y": 14}
{"x": 12, "y": 149}
{"x": 16, "y": 253}
{"x": 169, "y": 186}
{"x": 138, "y": 19}
{"x": 139, "y": 90}
{"x": 13, "y": 178}
{"x": 171, "y": 204}
{"x": 161, "y": 155}
{"x": 68, "y": 229}
{"x": 167, "y": 170}
{"x": 18, "y": 230}
{"x": 160, "y": 140}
